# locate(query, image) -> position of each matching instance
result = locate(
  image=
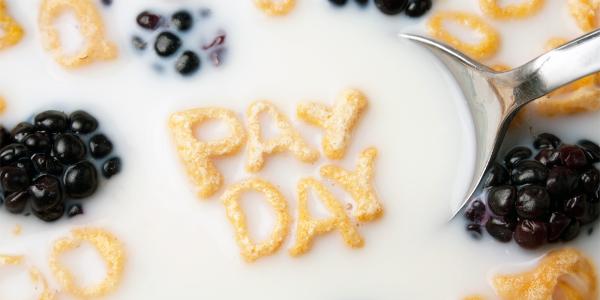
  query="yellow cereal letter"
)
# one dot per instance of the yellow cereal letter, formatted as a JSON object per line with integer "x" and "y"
{"x": 197, "y": 154}
{"x": 10, "y": 31}
{"x": 337, "y": 121}
{"x": 359, "y": 184}
{"x": 308, "y": 227}
{"x": 289, "y": 139}
{"x": 250, "y": 250}
{"x": 91, "y": 26}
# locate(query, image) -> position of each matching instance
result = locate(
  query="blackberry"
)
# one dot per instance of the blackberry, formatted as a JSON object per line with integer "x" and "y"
{"x": 69, "y": 148}
{"x": 533, "y": 203}
{"x": 417, "y": 8}
{"x": 516, "y": 155}
{"x": 81, "y": 180}
{"x": 496, "y": 175}
{"x": 182, "y": 20}
{"x": 188, "y": 63}
{"x": 51, "y": 121}
{"x": 82, "y": 122}
{"x": 500, "y": 229}
{"x": 100, "y": 146}
{"x": 166, "y": 44}
{"x": 530, "y": 234}
{"x": 529, "y": 171}
{"x": 501, "y": 200}
{"x": 46, "y": 192}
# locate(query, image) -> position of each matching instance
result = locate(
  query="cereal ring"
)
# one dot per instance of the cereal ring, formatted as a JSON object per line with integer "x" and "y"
{"x": 197, "y": 154}
{"x": 289, "y": 139}
{"x": 487, "y": 47}
{"x": 359, "y": 184}
{"x": 585, "y": 99}
{"x": 512, "y": 11}
{"x": 501, "y": 68}
{"x": 584, "y": 13}
{"x": 337, "y": 121}
{"x": 110, "y": 249}
{"x": 91, "y": 26}
{"x": 565, "y": 273}
{"x": 276, "y": 7}
{"x": 34, "y": 274}
{"x": 308, "y": 227}
{"x": 249, "y": 250}
{"x": 11, "y": 31}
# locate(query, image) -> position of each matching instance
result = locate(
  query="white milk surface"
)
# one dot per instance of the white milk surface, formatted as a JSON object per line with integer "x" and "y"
{"x": 180, "y": 247}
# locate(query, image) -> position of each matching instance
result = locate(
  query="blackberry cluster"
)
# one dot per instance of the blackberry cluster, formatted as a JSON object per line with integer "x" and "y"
{"x": 44, "y": 165}
{"x": 169, "y": 42}
{"x": 539, "y": 199}
{"x": 412, "y": 8}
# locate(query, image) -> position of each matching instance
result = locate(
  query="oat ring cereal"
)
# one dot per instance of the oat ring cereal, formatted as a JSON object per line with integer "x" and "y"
{"x": 91, "y": 26}
{"x": 197, "y": 154}
{"x": 309, "y": 227}
{"x": 276, "y": 7}
{"x": 585, "y": 13}
{"x": 485, "y": 48}
{"x": 110, "y": 249}
{"x": 250, "y": 250}
{"x": 34, "y": 274}
{"x": 523, "y": 9}
{"x": 289, "y": 139}
{"x": 11, "y": 31}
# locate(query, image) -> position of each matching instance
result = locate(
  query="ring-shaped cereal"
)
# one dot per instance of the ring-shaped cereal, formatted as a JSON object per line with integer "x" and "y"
{"x": 487, "y": 47}
{"x": 91, "y": 26}
{"x": 526, "y": 8}
{"x": 110, "y": 249}
{"x": 585, "y": 13}
{"x": 585, "y": 99}
{"x": 276, "y": 7}
{"x": 34, "y": 274}
{"x": 12, "y": 32}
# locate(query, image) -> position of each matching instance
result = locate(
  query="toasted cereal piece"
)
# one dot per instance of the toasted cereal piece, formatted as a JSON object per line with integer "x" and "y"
{"x": 289, "y": 139}
{"x": 338, "y": 121}
{"x": 309, "y": 227}
{"x": 11, "y": 32}
{"x": 486, "y": 48}
{"x": 521, "y": 10}
{"x": 561, "y": 274}
{"x": 501, "y": 68}
{"x": 276, "y": 7}
{"x": 586, "y": 99}
{"x": 110, "y": 249}
{"x": 359, "y": 184}
{"x": 91, "y": 26}
{"x": 250, "y": 250}
{"x": 196, "y": 154}
{"x": 584, "y": 12}
{"x": 34, "y": 274}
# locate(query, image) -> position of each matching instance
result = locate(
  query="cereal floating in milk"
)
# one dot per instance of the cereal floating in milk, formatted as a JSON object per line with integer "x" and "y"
{"x": 36, "y": 277}
{"x": 523, "y": 9}
{"x": 11, "y": 32}
{"x": 276, "y": 7}
{"x": 91, "y": 26}
{"x": 585, "y": 13}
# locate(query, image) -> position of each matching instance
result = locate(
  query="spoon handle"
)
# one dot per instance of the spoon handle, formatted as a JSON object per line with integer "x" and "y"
{"x": 557, "y": 68}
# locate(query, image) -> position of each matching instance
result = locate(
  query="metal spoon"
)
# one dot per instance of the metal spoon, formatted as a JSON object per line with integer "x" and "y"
{"x": 494, "y": 98}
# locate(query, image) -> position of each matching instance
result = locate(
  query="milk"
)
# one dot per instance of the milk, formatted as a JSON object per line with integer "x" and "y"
{"x": 181, "y": 247}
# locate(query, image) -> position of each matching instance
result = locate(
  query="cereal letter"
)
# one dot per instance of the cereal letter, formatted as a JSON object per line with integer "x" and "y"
{"x": 337, "y": 121}
{"x": 359, "y": 184}
{"x": 288, "y": 140}
{"x": 196, "y": 154}
{"x": 309, "y": 227}
{"x": 251, "y": 251}
{"x": 10, "y": 31}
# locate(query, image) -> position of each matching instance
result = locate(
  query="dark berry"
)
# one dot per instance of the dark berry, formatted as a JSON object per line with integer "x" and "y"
{"x": 500, "y": 229}
{"x": 576, "y": 207}
{"x": 548, "y": 157}
{"x": 391, "y": 7}
{"x": 22, "y": 130}
{"x": 182, "y": 20}
{"x": 475, "y": 231}
{"x": 167, "y": 44}
{"x": 111, "y": 167}
{"x": 546, "y": 141}
{"x": 188, "y": 63}
{"x": 26, "y": 165}
{"x": 14, "y": 179}
{"x": 572, "y": 231}
{"x": 37, "y": 142}
{"x": 417, "y": 8}
{"x": 82, "y": 122}
{"x": 51, "y": 214}
{"x": 573, "y": 157}
{"x": 12, "y": 153}
{"x": 74, "y": 210}
{"x": 496, "y": 175}
{"x": 362, "y": 2}
{"x": 81, "y": 180}
{"x": 557, "y": 224}
{"x": 100, "y": 146}
{"x": 516, "y": 155}
{"x": 591, "y": 149}
{"x": 47, "y": 164}
{"x": 107, "y": 2}
{"x": 138, "y": 43}
{"x": 592, "y": 213}
{"x": 533, "y": 202}
{"x": 562, "y": 182}
{"x": 69, "y": 148}
{"x": 148, "y": 20}
{"x": 17, "y": 201}
{"x": 338, "y": 2}
{"x": 46, "y": 192}
{"x": 529, "y": 171}
{"x": 590, "y": 179}
{"x": 501, "y": 200}
{"x": 530, "y": 234}
{"x": 475, "y": 212}
{"x": 51, "y": 121}
{"x": 5, "y": 137}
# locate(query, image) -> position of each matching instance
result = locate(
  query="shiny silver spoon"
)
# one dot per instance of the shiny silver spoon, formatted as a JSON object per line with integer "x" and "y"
{"x": 494, "y": 98}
